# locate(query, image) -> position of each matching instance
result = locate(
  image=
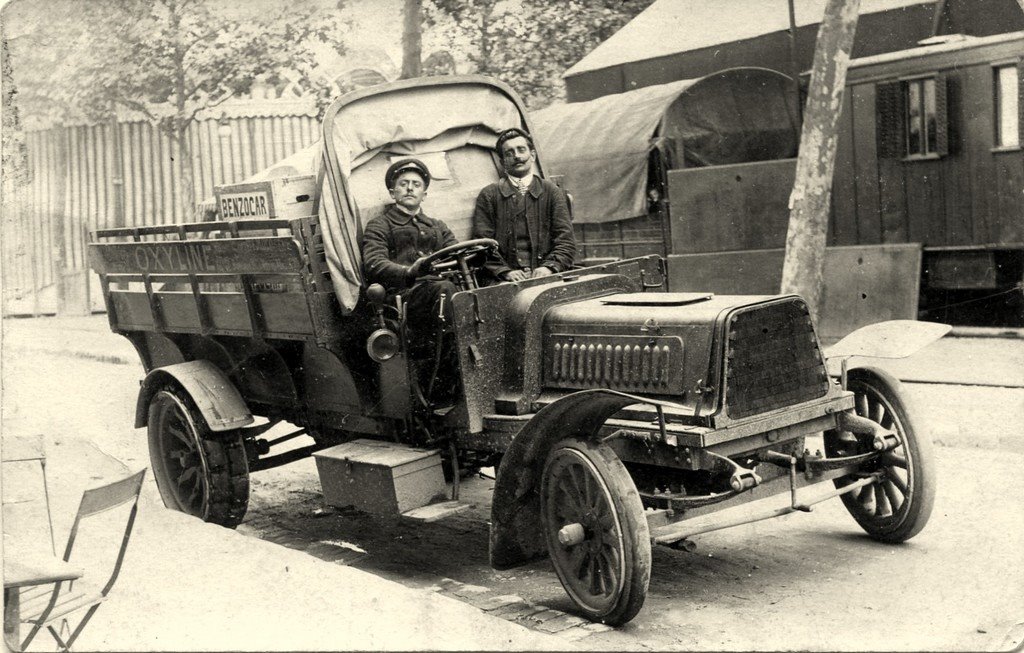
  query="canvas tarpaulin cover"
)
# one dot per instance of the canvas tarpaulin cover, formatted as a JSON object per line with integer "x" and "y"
{"x": 451, "y": 126}
{"x": 601, "y": 147}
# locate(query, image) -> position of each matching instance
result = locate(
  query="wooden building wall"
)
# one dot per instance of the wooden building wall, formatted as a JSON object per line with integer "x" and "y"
{"x": 972, "y": 196}
{"x": 72, "y": 189}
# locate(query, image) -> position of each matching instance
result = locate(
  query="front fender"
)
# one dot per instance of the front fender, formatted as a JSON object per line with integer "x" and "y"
{"x": 215, "y": 396}
{"x": 516, "y": 529}
{"x": 891, "y": 339}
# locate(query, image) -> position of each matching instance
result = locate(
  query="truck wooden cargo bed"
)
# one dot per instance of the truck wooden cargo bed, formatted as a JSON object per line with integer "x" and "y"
{"x": 254, "y": 278}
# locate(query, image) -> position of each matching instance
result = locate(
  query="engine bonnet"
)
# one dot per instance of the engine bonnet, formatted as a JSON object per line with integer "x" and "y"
{"x": 665, "y": 344}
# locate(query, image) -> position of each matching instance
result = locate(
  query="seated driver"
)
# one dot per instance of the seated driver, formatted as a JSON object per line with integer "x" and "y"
{"x": 396, "y": 245}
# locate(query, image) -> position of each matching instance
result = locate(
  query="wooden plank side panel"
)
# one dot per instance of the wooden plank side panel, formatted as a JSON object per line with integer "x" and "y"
{"x": 237, "y": 153}
{"x": 155, "y": 178}
{"x": 74, "y": 218}
{"x": 259, "y": 143}
{"x": 955, "y": 167}
{"x": 732, "y": 207}
{"x": 56, "y": 179}
{"x": 96, "y": 169}
{"x": 979, "y": 139}
{"x": 146, "y": 181}
{"x": 1009, "y": 221}
{"x": 138, "y": 208}
{"x": 178, "y": 210}
{"x": 166, "y": 183}
{"x": 843, "y": 221}
{"x": 277, "y": 142}
{"x": 228, "y": 256}
{"x": 926, "y": 216}
{"x": 200, "y": 165}
{"x": 214, "y": 144}
{"x": 865, "y": 162}
{"x": 892, "y": 200}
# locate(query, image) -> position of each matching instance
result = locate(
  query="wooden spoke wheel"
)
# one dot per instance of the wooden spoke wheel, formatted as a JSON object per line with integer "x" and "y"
{"x": 596, "y": 531}
{"x": 898, "y": 506}
{"x": 198, "y": 472}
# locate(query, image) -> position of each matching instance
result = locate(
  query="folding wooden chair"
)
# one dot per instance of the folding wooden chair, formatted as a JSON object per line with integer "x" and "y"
{"x": 67, "y": 598}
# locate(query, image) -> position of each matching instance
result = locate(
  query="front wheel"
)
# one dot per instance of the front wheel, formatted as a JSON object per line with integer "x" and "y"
{"x": 197, "y": 471}
{"x": 596, "y": 531}
{"x": 898, "y": 506}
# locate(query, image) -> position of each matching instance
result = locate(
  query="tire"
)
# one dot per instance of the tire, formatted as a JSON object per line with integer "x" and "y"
{"x": 198, "y": 472}
{"x": 606, "y": 572}
{"x": 899, "y": 506}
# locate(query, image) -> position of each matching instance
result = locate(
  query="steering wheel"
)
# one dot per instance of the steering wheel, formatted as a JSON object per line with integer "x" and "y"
{"x": 458, "y": 255}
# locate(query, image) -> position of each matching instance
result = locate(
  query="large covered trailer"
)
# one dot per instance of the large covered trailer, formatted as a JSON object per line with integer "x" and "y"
{"x": 618, "y": 415}
{"x": 927, "y": 213}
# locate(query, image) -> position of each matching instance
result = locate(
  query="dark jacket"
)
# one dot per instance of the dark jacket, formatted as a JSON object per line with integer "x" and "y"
{"x": 394, "y": 240}
{"x": 547, "y": 220}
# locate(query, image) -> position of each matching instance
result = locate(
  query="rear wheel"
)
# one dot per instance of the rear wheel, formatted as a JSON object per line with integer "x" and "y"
{"x": 197, "y": 471}
{"x": 898, "y": 506}
{"x": 596, "y": 531}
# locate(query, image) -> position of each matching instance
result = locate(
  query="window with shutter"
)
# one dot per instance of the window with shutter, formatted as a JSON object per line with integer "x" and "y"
{"x": 925, "y": 117}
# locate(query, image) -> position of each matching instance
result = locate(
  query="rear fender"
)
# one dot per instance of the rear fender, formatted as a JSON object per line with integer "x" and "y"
{"x": 215, "y": 396}
{"x": 516, "y": 529}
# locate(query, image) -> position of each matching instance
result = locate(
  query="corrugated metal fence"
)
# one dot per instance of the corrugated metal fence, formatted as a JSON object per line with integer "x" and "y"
{"x": 125, "y": 174}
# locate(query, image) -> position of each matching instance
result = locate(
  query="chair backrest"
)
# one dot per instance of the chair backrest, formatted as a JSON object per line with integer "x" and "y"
{"x": 99, "y": 500}
{"x": 17, "y": 448}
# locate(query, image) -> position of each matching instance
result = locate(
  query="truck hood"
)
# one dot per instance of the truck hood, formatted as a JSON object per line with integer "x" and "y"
{"x": 672, "y": 345}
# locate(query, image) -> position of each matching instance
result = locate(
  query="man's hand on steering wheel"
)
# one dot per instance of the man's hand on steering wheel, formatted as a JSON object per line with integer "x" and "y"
{"x": 454, "y": 257}
{"x": 467, "y": 248}
{"x": 421, "y": 267}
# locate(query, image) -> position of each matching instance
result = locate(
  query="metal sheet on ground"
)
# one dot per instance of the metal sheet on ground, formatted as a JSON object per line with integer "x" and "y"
{"x": 864, "y": 284}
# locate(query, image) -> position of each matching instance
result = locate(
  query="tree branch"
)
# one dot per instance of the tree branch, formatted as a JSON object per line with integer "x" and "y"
{"x": 137, "y": 106}
{"x": 188, "y": 46}
{"x": 212, "y": 105}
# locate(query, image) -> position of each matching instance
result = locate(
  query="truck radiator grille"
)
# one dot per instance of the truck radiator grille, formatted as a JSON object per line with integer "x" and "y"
{"x": 772, "y": 359}
{"x": 626, "y": 363}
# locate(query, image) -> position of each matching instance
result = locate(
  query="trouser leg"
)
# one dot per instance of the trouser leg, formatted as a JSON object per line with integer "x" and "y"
{"x": 430, "y": 328}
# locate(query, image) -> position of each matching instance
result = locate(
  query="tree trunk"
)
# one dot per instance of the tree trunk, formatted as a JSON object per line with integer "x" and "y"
{"x": 179, "y": 128}
{"x": 804, "y": 264}
{"x": 118, "y": 164}
{"x": 412, "y": 40}
{"x": 186, "y": 181}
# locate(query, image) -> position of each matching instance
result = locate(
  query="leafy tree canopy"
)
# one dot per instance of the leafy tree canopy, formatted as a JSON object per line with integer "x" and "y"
{"x": 528, "y": 43}
{"x": 167, "y": 59}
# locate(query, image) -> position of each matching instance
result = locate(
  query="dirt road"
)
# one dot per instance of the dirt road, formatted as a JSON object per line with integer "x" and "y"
{"x": 805, "y": 582}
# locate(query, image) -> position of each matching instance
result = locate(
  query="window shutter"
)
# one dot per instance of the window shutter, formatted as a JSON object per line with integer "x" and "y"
{"x": 1020, "y": 103}
{"x": 890, "y": 117}
{"x": 941, "y": 115}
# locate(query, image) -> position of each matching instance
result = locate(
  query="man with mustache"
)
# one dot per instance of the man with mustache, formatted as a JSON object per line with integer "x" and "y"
{"x": 396, "y": 245}
{"x": 527, "y": 215}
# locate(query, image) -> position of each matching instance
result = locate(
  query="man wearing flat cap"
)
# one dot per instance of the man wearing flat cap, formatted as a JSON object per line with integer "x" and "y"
{"x": 527, "y": 215}
{"x": 396, "y": 245}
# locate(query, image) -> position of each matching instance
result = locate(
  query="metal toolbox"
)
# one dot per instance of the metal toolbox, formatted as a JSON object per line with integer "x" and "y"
{"x": 380, "y": 477}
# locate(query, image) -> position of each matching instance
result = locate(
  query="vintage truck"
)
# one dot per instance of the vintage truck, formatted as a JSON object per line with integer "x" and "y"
{"x": 617, "y": 415}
